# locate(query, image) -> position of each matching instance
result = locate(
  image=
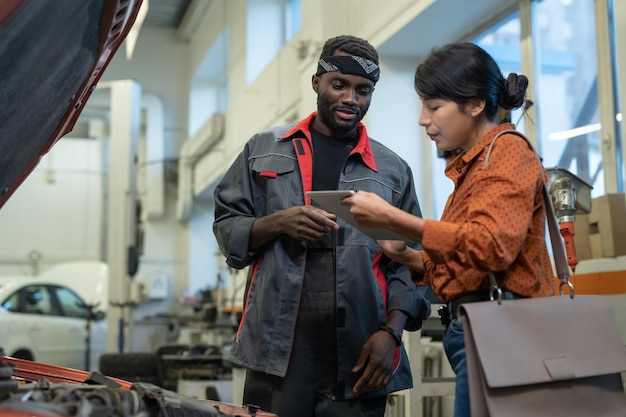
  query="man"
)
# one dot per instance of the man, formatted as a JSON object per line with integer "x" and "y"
{"x": 324, "y": 309}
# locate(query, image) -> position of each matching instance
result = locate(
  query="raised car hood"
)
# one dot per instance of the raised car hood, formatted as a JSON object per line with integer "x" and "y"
{"x": 52, "y": 54}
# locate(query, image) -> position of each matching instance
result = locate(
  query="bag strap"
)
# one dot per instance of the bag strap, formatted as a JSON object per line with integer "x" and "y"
{"x": 558, "y": 248}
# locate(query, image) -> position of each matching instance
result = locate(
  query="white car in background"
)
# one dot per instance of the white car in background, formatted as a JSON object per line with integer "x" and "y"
{"x": 44, "y": 318}
{"x": 90, "y": 279}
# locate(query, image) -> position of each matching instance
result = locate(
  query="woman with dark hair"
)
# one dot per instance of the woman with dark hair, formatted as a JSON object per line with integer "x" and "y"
{"x": 494, "y": 220}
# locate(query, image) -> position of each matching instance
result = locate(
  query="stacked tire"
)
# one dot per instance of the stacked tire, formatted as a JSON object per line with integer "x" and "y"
{"x": 131, "y": 366}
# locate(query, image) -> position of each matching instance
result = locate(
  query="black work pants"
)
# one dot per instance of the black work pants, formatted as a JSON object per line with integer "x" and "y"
{"x": 308, "y": 388}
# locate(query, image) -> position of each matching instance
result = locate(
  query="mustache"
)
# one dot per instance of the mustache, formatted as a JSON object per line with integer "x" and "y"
{"x": 349, "y": 109}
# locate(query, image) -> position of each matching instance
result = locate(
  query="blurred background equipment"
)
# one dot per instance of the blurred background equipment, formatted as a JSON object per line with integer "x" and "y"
{"x": 570, "y": 196}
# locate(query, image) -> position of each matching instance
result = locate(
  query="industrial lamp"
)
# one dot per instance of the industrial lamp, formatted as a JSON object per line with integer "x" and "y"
{"x": 570, "y": 195}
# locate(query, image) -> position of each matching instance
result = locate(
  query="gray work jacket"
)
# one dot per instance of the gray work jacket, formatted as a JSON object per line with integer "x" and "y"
{"x": 272, "y": 173}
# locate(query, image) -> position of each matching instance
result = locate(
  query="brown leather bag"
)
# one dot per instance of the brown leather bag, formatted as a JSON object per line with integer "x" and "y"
{"x": 548, "y": 356}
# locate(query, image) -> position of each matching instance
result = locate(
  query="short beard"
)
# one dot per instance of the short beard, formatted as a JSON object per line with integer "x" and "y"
{"x": 327, "y": 115}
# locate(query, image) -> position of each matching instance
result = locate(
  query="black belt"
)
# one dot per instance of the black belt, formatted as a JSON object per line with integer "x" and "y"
{"x": 449, "y": 312}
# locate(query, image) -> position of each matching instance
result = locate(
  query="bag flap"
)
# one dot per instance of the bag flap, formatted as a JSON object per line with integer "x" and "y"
{"x": 538, "y": 340}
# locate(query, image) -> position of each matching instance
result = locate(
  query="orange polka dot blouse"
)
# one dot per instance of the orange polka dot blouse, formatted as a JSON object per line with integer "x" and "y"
{"x": 494, "y": 220}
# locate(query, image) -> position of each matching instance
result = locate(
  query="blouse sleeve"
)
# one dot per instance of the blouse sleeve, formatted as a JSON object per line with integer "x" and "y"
{"x": 498, "y": 215}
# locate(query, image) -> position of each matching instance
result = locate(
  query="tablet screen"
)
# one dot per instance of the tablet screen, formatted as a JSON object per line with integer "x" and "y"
{"x": 330, "y": 201}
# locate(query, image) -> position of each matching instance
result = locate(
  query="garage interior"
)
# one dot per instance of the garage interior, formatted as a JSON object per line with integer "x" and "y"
{"x": 121, "y": 209}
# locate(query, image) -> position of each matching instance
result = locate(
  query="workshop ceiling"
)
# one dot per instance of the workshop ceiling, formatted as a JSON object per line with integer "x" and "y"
{"x": 166, "y": 13}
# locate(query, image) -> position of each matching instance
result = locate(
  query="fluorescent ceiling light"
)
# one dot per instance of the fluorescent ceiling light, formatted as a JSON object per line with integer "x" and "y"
{"x": 133, "y": 34}
{"x": 572, "y": 133}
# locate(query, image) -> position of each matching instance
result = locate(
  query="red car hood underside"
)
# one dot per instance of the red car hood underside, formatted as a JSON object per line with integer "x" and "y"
{"x": 52, "y": 54}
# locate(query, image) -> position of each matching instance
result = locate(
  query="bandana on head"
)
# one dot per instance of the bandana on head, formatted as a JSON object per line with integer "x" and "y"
{"x": 349, "y": 64}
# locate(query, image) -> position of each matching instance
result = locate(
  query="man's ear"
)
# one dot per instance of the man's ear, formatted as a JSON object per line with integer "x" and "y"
{"x": 315, "y": 83}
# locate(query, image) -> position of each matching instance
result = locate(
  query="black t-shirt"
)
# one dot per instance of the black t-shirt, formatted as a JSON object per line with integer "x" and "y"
{"x": 329, "y": 157}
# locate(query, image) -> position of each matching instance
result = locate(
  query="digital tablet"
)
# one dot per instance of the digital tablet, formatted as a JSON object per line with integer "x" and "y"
{"x": 330, "y": 201}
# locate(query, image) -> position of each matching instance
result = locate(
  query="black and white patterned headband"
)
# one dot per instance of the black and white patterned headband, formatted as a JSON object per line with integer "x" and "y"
{"x": 349, "y": 64}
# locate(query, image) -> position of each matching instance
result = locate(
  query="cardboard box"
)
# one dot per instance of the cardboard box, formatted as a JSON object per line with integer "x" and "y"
{"x": 607, "y": 226}
{"x": 581, "y": 237}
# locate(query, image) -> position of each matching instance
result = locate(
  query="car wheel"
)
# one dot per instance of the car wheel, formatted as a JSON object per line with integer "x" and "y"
{"x": 23, "y": 354}
{"x": 134, "y": 366}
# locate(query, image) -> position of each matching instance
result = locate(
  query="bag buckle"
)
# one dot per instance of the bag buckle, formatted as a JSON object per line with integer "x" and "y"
{"x": 495, "y": 292}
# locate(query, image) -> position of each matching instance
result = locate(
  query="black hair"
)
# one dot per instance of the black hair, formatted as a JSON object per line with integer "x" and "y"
{"x": 350, "y": 45}
{"x": 464, "y": 71}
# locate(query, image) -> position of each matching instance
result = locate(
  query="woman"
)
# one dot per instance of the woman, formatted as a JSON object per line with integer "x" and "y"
{"x": 494, "y": 220}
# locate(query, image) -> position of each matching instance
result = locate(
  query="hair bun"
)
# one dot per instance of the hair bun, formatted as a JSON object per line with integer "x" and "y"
{"x": 513, "y": 91}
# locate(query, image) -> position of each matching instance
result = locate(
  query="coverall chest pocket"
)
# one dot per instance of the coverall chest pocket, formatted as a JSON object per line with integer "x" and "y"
{"x": 275, "y": 181}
